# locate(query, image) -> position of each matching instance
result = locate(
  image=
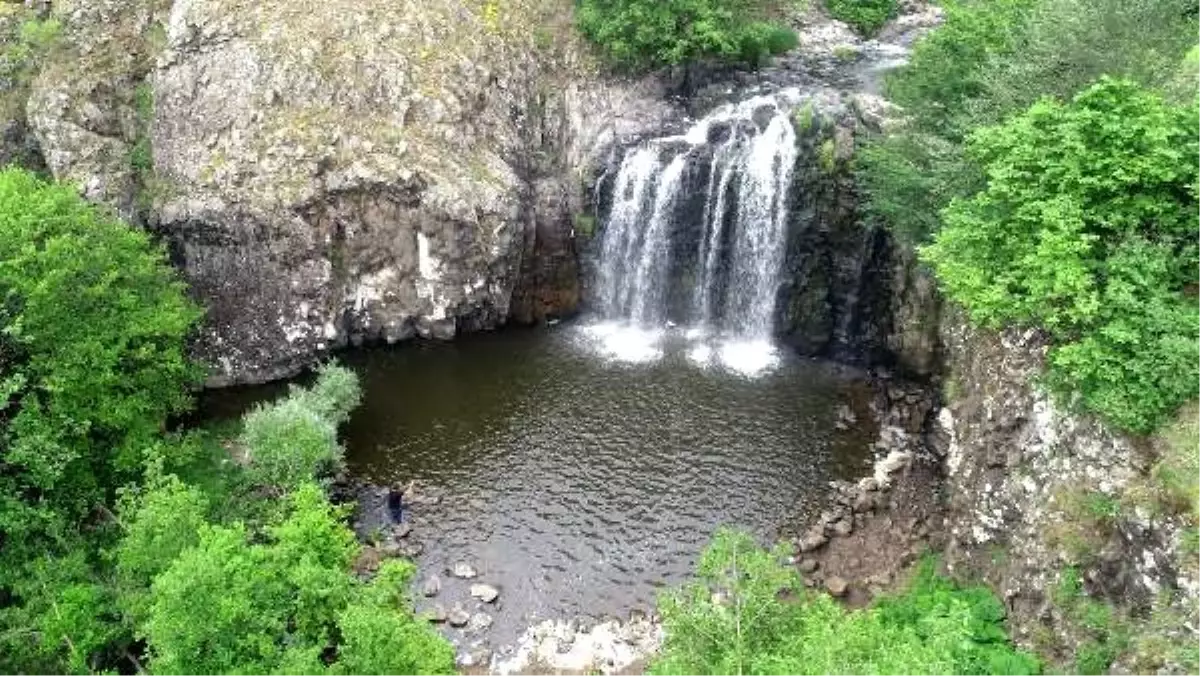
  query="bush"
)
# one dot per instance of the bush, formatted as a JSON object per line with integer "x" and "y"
{"x": 228, "y": 605}
{"x": 640, "y": 34}
{"x": 992, "y": 59}
{"x": 92, "y": 362}
{"x": 1088, "y": 228}
{"x": 1177, "y": 471}
{"x": 295, "y": 440}
{"x": 749, "y": 613}
{"x": 865, "y": 16}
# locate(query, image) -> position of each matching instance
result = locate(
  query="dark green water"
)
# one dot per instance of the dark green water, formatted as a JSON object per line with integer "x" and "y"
{"x": 579, "y": 484}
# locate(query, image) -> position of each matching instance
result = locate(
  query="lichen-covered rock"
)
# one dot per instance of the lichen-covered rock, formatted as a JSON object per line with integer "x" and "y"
{"x": 82, "y": 107}
{"x": 1037, "y": 493}
{"x": 329, "y": 172}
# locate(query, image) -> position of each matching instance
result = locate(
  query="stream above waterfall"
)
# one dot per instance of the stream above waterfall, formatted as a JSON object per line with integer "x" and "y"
{"x": 579, "y": 482}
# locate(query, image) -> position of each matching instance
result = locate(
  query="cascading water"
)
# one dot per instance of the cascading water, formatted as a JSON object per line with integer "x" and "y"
{"x": 747, "y": 151}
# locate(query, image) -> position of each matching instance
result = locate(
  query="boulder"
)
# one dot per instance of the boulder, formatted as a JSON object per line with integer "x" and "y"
{"x": 843, "y": 527}
{"x": 432, "y": 586}
{"x": 836, "y": 586}
{"x": 814, "y": 539}
{"x": 458, "y": 617}
{"x": 485, "y": 592}
{"x": 464, "y": 570}
{"x": 479, "y": 622}
{"x": 438, "y": 614}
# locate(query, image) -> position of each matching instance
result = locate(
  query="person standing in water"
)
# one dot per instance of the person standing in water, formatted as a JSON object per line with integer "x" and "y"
{"x": 395, "y": 502}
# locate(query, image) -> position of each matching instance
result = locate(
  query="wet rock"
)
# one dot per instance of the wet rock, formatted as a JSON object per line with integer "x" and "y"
{"x": 485, "y": 592}
{"x": 464, "y": 570}
{"x": 815, "y": 539}
{"x": 479, "y": 622}
{"x": 432, "y": 586}
{"x": 808, "y": 566}
{"x": 438, "y": 614}
{"x": 458, "y": 617}
{"x": 473, "y": 658}
{"x": 846, "y": 418}
{"x": 836, "y": 586}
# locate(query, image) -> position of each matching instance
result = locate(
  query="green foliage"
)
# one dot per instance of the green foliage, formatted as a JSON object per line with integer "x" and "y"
{"x": 1087, "y": 228}
{"x": 92, "y": 329}
{"x": 640, "y": 34}
{"x": 865, "y": 16}
{"x": 295, "y": 440}
{"x": 1177, "y": 471}
{"x": 749, "y": 613}
{"x": 993, "y": 58}
{"x": 1104, "y": 635}
{"x": 230, "y": 605}
{"x": 141, "y": 154}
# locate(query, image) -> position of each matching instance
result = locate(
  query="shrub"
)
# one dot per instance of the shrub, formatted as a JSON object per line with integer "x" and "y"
{"x": 639, "y": 34}
{"x": 92, "y": 328}
{"x": 1177, "y": 471}
{"x": 748, "y": 613}
{"x": 1087, "y": 228}
{"x": 865, "y": 16}
{"x": 991, "y": 59}
{"x": 228, "y": 605}
{"x": 295, "y": 440}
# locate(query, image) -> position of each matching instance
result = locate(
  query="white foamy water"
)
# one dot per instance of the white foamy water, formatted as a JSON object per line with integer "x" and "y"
{"x": 627, "y": 343}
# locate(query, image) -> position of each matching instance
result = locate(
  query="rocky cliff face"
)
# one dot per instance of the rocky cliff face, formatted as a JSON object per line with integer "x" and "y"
{"x": 1039, "y": 498}
{"x": 330, "y": 172}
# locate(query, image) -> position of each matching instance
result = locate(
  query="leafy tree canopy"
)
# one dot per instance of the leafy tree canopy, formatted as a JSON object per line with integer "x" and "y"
{"x": 748, "y": 613}
{"x": 640, "y": 34}
{"x": 92, "y": 328}
{"x": 1088, "y": 228}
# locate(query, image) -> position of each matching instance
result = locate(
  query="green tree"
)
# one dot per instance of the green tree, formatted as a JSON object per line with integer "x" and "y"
{"x": 748, "y": 613}
{"x": 642, "y": 34}
{"x": 1088, "y": 228}
{"x": 865, "y": 16}
{"x": 234, "y": 604}
{"x": 92, "y": 363}
{"x": 293, "y": 441}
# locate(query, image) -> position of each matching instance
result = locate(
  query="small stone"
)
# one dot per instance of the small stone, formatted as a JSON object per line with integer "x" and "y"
{"x": 485, "y": 592}
{"x": 391, "y": 549}
{"x": 836, "y": 586}
{"x": 879, "y": 580}
{"x": 465, "y": 660}
{"x": 808, "y": 566}
{"x": 402, "y": 529}
{"x": 464, "y": 570}
{"x": 438, "y": 614}
{"x": 815, "y": 539}
{"x": 458, "y": 617}
{"x": 432, "y": 586}
{"x": 479, "y": 622}
{"x": 844, "y": 527}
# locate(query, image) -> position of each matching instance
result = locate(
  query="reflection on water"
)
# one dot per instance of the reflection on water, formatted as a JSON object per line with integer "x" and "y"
{"x": 583, "y": 467}
{"x": 581, "y": 484}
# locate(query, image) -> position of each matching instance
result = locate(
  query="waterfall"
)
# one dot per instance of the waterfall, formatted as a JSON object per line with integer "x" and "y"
{"x": 747, "y": 151}
{"x": 761, "y": 228}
